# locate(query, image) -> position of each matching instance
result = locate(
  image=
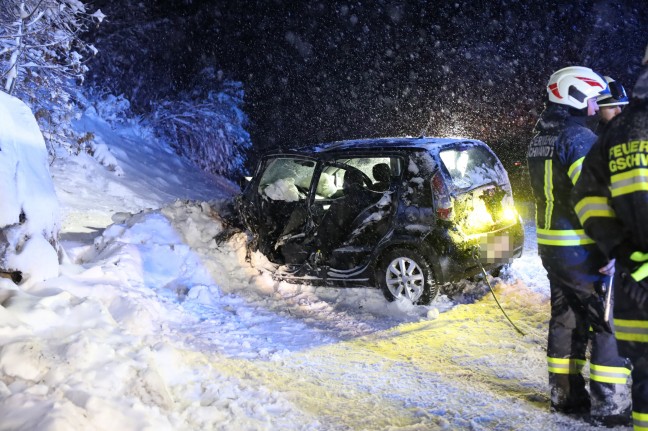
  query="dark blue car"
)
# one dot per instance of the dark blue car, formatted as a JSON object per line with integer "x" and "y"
{"x": 405, "y": 214}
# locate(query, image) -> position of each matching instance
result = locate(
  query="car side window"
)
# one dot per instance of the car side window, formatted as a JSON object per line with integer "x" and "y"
{"x": 377, "y": 173}
{"x": 286, "y": 179}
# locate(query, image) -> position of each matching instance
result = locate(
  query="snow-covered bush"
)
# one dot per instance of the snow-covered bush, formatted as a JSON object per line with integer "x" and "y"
{"x": 183, "y": 97}
{"x": 112, "y": 108}
{"x": 42, "y": 59}
{"x": 207, "y": 125}
{"x": 29, "y": 213}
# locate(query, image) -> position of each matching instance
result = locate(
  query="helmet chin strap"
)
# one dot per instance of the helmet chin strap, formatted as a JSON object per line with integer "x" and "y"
{"x": 578, "y": 112}
{"x": 591, "y": 122}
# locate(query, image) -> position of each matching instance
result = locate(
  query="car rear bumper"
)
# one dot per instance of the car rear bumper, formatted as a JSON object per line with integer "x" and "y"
{"x": 466, "y": 256}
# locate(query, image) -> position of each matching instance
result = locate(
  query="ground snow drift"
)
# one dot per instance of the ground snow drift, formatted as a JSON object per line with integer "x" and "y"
{"x": 159, "y": 326}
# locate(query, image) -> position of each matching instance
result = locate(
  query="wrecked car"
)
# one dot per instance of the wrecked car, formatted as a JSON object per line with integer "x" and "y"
{"x": 405, "y": 214}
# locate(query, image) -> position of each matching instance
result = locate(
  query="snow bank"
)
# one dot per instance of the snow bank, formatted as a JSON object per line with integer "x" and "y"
{"x": 102, "y": 346}
{"x": 160, "y": 326}
{"x": 29, "y": 213}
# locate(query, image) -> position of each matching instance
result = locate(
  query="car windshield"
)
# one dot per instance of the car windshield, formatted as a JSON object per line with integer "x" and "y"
{"x": 472, "y": 166}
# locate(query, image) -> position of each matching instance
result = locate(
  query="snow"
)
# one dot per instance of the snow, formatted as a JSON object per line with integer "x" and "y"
{"x": 98, "y": 15}
{"x": 29, "y": 218}
{"x": 153, "y": 324}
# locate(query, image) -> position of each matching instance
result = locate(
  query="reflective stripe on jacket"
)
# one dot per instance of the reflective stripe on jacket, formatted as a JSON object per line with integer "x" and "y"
{"x": 631, "y": 330}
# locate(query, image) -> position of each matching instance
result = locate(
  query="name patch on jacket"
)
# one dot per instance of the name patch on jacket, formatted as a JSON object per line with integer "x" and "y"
{"x": 541, "y": 146}
{"x": 633, "y": 154}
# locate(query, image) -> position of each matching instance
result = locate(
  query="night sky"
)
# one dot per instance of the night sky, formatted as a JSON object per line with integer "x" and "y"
{"x": 318, "y": 71}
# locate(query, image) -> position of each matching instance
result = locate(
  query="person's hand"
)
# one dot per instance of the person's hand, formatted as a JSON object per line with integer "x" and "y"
{"x": 633, "y": 262}
{"x": 622, "y": 254}
{"x": 608, "y": 269}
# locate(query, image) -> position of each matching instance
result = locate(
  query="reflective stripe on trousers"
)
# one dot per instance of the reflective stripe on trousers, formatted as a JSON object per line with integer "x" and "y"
{"x": 606, "y": 374}
{"x": 640, "y": 421}
{"x": 598, "y": 373}
{"x": 565, "y": 365}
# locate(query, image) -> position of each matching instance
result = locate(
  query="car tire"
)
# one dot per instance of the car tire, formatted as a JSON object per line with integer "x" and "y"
{"x": 418, "y": 284}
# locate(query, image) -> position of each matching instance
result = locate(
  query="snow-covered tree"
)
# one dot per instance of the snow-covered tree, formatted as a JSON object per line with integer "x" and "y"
{"x": 188, "y": 101}
{"x": 42, "y": 57}
{"x": 206, "y": 124}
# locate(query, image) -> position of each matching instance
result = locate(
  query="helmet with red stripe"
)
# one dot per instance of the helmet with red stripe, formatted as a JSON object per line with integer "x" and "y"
{"x": 573, "y": 85}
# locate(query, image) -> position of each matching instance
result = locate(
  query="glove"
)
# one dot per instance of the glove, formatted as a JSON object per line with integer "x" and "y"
{"x": 631, "y": 261}
{"x": 622, "y": 254}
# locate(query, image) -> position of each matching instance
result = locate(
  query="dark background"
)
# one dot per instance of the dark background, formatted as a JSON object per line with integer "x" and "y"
{"x": 327, "y": 70}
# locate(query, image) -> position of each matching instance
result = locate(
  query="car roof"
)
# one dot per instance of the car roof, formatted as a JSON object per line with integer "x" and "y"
{"x": 379, "y": 144}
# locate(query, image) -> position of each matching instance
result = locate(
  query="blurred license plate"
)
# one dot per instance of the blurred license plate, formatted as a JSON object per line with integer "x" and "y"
{"x": 496, "y": 248}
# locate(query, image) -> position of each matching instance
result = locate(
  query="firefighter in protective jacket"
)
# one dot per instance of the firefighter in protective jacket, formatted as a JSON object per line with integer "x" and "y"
{"x": 562, "y": 137}
{"x": 611, "y": 200}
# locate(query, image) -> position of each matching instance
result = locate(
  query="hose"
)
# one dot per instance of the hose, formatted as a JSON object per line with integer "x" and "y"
{"x": 475, "y": 256}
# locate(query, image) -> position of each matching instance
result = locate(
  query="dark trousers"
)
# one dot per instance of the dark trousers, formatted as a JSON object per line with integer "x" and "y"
{"x": 577, "y": 309}
{"x": 631, "y": 316}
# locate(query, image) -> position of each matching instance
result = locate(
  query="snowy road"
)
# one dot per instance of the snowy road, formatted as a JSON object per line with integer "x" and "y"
{"x": 348, "y": 359}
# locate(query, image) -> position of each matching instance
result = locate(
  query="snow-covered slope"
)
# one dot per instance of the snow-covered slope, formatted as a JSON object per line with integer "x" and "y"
{"x": 154, "y": 325}
{"x": 138, "y": 173}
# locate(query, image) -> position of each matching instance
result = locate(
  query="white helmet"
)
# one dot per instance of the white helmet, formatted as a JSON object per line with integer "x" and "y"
{"x": 617, "y": 95}
{"x": 572, "y": 86}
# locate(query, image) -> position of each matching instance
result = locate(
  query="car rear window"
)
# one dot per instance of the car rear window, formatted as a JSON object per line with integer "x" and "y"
{"x": 472, "y": 166}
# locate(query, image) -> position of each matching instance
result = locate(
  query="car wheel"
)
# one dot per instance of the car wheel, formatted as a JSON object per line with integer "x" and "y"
{"x": 404, "y": 273}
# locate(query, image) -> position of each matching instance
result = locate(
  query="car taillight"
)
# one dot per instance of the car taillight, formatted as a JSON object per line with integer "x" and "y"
{"x": 509, "y": 214}
{"x": 442, "y": 199}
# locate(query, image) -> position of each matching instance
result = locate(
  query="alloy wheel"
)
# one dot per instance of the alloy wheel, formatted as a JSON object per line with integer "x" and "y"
{"x": 404, "y": 277}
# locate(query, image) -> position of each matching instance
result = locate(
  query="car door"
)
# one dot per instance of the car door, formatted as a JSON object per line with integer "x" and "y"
{"x": 276, "y": 202}
{"x": 350, "y": 221}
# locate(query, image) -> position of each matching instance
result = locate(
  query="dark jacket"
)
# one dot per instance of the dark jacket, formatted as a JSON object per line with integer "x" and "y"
{"x": 611, "y": 196}
{"x": 555, "y": 157}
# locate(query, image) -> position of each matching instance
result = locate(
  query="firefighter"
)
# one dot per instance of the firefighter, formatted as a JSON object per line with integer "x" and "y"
{"x": 610, "y": 105}
{"x": 562, "y": 137}
{"x": 612, "y": 204}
